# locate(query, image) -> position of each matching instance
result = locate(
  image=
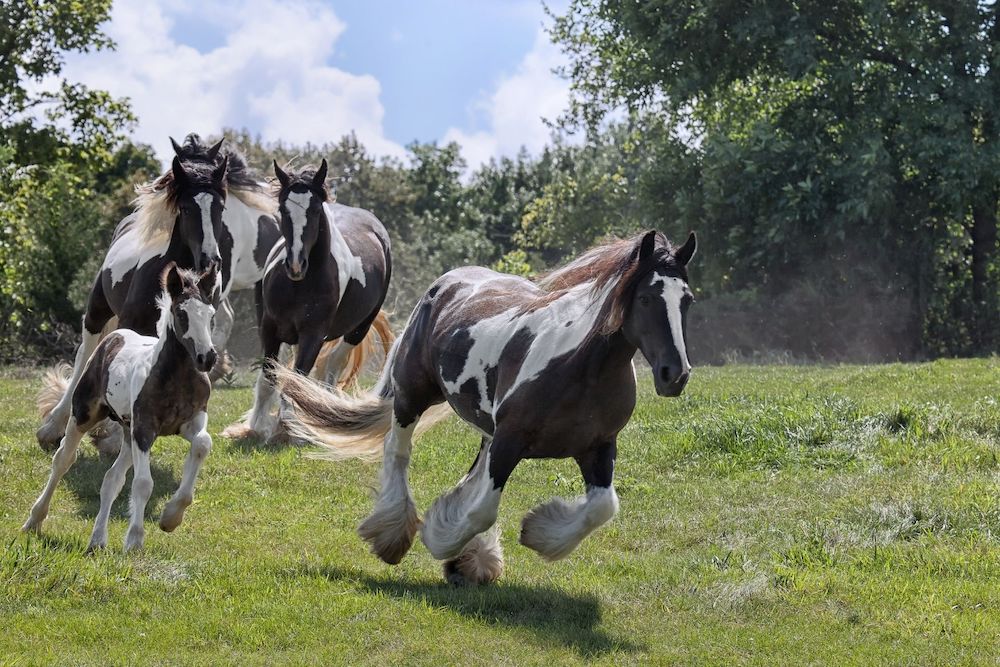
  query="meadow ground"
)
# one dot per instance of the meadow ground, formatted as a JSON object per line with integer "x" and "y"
{"x": 771, "y": 515}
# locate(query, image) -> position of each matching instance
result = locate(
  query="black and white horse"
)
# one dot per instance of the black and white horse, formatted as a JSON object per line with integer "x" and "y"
{"x": 153, "y": 386}
{"x": 326, "y": 279}
{"x": 207, "y": 210}
{"x": 541, "y": 370}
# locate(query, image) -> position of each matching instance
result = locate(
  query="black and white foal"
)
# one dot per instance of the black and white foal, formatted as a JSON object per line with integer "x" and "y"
{"x": 541, "y": 370}
{"x": 154, "y": 386}
{"x": 326, "y": 279}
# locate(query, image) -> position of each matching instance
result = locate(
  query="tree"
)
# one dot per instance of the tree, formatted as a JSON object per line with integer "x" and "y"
{"x": 858, "y": 134}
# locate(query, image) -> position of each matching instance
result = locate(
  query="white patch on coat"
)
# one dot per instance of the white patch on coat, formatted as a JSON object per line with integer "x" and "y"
{"x": 558, "y": 328}
{"x": 209, "y": 244}
{"x": 673, "y": 292}
{"x": 349, "y": 265}
{"x": 128, "y": 371}
{"x": 127, "y": 252}
{"x": 296, "y": 205}
{"x": 243, "y": 223}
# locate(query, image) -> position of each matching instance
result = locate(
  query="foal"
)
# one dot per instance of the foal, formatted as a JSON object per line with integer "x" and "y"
{"x": 540, "y": 370}
{"x": 154, "y": 386}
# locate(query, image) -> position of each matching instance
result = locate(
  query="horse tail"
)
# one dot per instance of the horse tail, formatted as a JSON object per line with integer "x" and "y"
{"x": 54, "y": 385}
{"x": 345, "y": 426}
{"x": 360, "y": 355}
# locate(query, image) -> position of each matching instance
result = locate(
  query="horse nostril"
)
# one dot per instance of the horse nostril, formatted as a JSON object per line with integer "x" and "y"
{"x": 200, "y": 359}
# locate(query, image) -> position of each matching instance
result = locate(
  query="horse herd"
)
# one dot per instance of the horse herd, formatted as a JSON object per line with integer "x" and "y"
{"x": 541, "y": 369}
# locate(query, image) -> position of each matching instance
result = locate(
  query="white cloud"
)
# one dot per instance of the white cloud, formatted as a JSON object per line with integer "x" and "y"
{"x": 516, "y": 110}
{"x": 268, "y": 74}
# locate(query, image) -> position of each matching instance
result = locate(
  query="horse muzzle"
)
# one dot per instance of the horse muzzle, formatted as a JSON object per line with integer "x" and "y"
{"x": 295, "y": 270}
{"x": 205, "y": 362}
{"x": 669, "y": 381}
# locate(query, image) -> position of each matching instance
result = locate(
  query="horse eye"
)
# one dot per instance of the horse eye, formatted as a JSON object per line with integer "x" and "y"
{"x": 644, "y": 300}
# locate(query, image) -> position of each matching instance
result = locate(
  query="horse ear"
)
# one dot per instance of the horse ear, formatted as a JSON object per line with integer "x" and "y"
{"x": 171, "y": 281}
{"x": 177, "y": 146}
{"x": 282, "y": 176}
{"x": 684, "y": 254}
{"x": 319, "y": 180}
{"x": 180, "y": 176}
{"x": 213, "y": 152}
{"x": 219, "y": 173}
{"x": 206, "y": 284}
{"x": 647, "y": 245}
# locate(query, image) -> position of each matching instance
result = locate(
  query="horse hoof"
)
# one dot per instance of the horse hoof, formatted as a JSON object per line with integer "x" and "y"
{"x": 95, "y": 546}
{"x": 32, "y": 526}
{"x": 49, "y": 435}
{"x": 240, "y": 431}
{"x": 481, "y": 562}
{"x": 390, "y": 535}
{"x": 173, "y": 515}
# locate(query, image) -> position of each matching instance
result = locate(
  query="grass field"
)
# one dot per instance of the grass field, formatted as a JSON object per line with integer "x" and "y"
{"x": 771, "y": 515}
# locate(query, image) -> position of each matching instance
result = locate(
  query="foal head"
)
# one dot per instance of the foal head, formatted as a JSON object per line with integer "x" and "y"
{"x": 187, "y": 311}
{"x": 300, "y": 207}
{"x": 656, "y": 317}
{"x": 198, "y": 190}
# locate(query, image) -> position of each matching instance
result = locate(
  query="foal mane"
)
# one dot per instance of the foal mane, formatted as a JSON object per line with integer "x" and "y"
{"x": 156, "y": 201}
{"x": 614, "y": 263}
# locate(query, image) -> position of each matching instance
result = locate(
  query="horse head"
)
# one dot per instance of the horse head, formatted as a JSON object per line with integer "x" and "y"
{"x": 190, "y": 296}
{"x": 656, "y": 318}
{"x": 300, "y": 208}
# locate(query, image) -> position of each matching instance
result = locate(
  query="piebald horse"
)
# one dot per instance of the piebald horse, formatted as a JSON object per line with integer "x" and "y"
{"x": 207, "y": 210}
{"x": 541, "y": 370}
{"x": 154, "y": 386}
{"x": 327, "y": 278}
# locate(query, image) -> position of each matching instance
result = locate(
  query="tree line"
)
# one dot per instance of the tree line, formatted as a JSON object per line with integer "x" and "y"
{"x": 838, "y": 161}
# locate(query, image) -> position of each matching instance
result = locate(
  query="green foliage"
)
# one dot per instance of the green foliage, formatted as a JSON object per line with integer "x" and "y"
{"x": 833, "y": 140}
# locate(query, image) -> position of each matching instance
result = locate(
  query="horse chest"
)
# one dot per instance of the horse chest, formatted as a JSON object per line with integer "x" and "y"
{"x": 170, "y": 399}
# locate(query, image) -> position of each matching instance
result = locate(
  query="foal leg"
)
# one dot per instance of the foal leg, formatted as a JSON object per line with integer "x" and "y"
{"x": 471, "y": 507}
{"x": 114, "y": 480}
{"x": 390, "y": 528}
{"x": 557, "y": 527}
{"x": 61, "y": 462}
{"x": 142, "y": 488}
{"x": 195, "y": 432}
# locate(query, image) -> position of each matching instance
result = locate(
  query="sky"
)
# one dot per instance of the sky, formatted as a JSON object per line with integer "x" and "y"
{"x": 478, "y": 72}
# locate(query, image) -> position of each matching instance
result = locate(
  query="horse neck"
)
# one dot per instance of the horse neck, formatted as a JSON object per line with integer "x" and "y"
{"x": 320, "y": 253}
{"x": 170, "y": 353}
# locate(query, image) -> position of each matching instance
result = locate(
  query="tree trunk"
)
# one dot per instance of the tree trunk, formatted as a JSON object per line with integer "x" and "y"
{"x": 984, "y": 289}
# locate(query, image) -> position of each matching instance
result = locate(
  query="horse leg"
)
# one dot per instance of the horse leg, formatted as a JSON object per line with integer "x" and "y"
{"x": 305, "y": 356}
{"x": 557, "y": 527}
{"x": 337, "y": 360}
{"x": 61, "y": 462}
{"x": 261, "y": 419}
{"x": 222, "y": 328}
{"x": 142, "y": 488}
{"x": 112, "y": 485}
{"x": 470, "y": 508}
{"x": 98, "y": 313}
{"x": 195, "y": 432}
{"x": 391, "y": 526}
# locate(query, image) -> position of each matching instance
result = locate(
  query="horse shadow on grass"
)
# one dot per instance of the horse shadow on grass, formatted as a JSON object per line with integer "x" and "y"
{"x": 556, "y": 617}
{"x": 85, "y": 477}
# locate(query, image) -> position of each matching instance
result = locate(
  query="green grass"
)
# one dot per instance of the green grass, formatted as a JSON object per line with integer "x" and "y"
{"x": 789, "y": 515}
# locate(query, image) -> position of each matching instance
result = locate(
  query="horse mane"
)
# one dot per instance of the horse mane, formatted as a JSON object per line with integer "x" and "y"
{"x": 156, "y": 201}
{"x": 613, "y": 265}
{"x": 301, "y": 178}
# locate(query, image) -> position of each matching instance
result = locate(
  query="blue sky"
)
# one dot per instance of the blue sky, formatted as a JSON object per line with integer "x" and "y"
{"x": 477, "y": 72}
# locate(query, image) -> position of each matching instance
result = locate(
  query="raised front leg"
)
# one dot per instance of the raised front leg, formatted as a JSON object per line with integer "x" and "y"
{"x": 61, "y": 462}
{"x": 470, "y": 508}
{"x": 390, "y": 528}
{"x": 142, "y": 488}
{"x": 195, "y": 432}
{"x": 114, "y": 480}
{"x": 557, "y": 527}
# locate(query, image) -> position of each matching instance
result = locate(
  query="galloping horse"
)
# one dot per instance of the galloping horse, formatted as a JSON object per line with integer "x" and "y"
{"x": 327, "y": 278}
{"x": 186, "y": 217}
{"x": 154, "y": 385}
{"x": 541, "y": 370}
